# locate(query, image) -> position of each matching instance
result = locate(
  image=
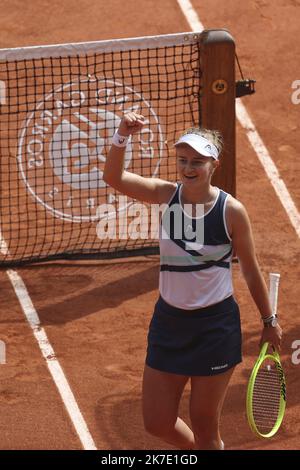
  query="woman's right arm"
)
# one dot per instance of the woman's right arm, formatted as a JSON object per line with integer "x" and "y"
{"x": 152, "y": 190}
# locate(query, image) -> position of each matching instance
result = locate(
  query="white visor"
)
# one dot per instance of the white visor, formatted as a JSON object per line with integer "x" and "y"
{"x": 200, "y": 144}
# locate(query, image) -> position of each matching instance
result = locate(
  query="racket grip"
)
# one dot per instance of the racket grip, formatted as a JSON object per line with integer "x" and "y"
{"x": 273, "y": 293}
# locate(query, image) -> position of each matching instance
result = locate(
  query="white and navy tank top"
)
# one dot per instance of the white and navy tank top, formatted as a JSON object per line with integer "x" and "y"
{"x": 194, "y": 275}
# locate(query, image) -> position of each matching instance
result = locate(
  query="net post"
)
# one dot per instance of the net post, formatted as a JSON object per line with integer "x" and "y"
{"x": 218, "y": 99}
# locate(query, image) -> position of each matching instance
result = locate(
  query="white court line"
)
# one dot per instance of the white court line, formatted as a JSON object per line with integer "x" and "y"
{"x": 191, "y": 15}
{"x": 52, "y": 362}
{"x": 269, "y": 166}
{"x": 254, "y": 138}
{"x": 3, "y": 245}
{"x": 48, "y": 353}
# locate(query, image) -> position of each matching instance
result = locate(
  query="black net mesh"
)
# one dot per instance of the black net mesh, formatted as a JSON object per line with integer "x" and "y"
{"x": 57, "y": 119}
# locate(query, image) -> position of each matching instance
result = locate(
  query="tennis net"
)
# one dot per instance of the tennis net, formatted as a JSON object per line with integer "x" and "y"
{"x": 59, "y": 108}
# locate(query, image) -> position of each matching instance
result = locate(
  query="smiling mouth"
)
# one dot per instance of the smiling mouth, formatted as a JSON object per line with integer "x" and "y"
{"x": 190, "y": 177}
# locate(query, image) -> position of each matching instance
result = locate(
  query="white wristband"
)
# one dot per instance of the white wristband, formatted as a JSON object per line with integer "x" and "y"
{"x": 120, "y": 140}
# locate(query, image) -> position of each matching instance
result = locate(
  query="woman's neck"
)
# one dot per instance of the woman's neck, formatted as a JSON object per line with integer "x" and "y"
{"x": 204, "y": 195}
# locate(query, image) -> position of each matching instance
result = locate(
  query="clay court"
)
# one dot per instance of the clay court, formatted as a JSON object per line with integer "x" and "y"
{"x": 96, "y": 313}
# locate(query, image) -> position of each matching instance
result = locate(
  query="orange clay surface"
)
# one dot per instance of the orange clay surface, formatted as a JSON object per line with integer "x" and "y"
{"x": 96, "y": 315}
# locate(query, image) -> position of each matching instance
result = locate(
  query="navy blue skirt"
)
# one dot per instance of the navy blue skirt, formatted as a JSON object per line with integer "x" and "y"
{"x": 205, "y": 341}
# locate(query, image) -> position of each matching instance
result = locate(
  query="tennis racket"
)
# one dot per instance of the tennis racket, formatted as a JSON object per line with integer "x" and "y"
{"x": 266, "y": 392}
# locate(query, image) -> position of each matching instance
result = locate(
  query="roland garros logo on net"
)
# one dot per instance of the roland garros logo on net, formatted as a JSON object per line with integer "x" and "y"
{"x": 63, "y": 143}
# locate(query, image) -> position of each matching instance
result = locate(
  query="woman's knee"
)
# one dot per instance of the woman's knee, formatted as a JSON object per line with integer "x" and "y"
{"x": 161, "y": 397}
{"x": 158, "y": 426}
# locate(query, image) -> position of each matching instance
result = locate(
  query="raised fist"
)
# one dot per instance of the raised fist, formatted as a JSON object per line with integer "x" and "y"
{"x": 131, "y": 123}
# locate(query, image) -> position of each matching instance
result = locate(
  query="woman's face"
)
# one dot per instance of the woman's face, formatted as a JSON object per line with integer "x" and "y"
{"x": 194, "y": 168}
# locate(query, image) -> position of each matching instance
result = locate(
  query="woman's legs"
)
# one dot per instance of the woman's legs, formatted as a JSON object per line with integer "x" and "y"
{"x": 206, "y": 402}
{"x": 161, "y": 396}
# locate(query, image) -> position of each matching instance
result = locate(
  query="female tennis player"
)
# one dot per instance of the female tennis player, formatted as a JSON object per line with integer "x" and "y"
{"x": 195, "y": 329}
